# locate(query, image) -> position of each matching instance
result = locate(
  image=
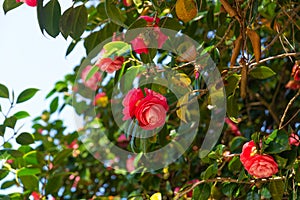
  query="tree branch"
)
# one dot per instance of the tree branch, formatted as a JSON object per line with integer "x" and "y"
{"x": 274, "y": 57}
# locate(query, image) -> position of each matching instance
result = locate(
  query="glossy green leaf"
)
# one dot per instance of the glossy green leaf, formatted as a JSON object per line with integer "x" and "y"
{"x": 232, "y": 108}
{"x": 92, "y": 72}
{"x": 54, "y": 105}
{"x": 52, "y": 13}
{"x": 25, "y": 139}
{"x": 253, "y": 195}
{"x": 262, "y": 72}
{"x": 10, "y": 5}
{"x": 232, "y": 83}
{"x": 170, "y": 23}
{"x": 114, "y": 13}
{"x": 202, "y": 191}
{"x": 71, "y": 47}
{"x": 277, "y": 142}
{"x": 116, "y": 47}
{"x": 30, "y": 182}
{"x": 237, "y": 143}
{"x": 3, "y": 173}
{"x": 31, "y": 158}
{"x": 92, "y": 41}
{"x": 40, "y": 15}
{"x": 4, "y": 91}
{"x": 26, "y": 95}
{"x": 235, "y": 164}
{"x": 228, "y": 189}
{"x": 8, "y": 184}
{"x": 53, "y": 184}
{"x": 61, "y": 156}
{"x": 210, "y": 172}
{"x": 28, "y": 171}
{"x": 10, "y": 122}
{"x": 80, "y": 21}
{"x": 21, "y": 114}
{"x": 276, "y": 189}
{"x": 66, "y": 22}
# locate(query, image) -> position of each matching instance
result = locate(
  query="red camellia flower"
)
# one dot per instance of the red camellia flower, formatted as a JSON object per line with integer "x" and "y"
{"x": 140, "y": 44}
{"x": 109, "y": 65}
{"x": 31, "y": 3}
{"x": 92, "y": 82}
{"x": 234, "y": 128}
{"x": 294, "y": 139}
{"x": 36, "y": 195}
{"x": 293, "y": 85}
{"x": 259, "y": 166}
{"x": 150, "y": 111}
{"x": 127, "y": 3}
{"x": 130, "y": 102}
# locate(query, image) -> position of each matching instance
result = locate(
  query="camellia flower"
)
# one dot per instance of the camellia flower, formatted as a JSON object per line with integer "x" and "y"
{"x": 36, "y": 195}
{"x": 293, "y": 85}
{"x": 150, "y": 111}
{"x": 294, "y": 139}
{"x": 234, "y": 128}
{"x": 259, "y": 166}
{"x": 101, "y": 100}
{"x": 130, "y": 164}
{"x": 127, "y": 3}
{"x": 109, "y": 65}
{"x": 93, "y": 81}
{"x": 141, "y": 42}
{"x": 31, "y": 3}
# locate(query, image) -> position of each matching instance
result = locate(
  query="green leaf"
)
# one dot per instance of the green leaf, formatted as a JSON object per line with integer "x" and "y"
{"x": 52, "y": 12}
{"x": 66, "y": 22}
{"x": 170, "y": 23}
{"x": 71, "y": 47}
{"x": 2, "y": 130}
{"x": 3, "y": 173}
{"x": 41, "y": 15}
{"x": 116, "y": 47}
{"x": 25, "y": 139}
{"x": 202, "y": 191}
{"x": 92, "y": 72}
{"x": 262, "y": 72}
{"x": 80, "y": 21}
{"x": 21, "y": 114}
{"x": 139, "y": 23}
{"x": 4, "y": 91}
{"x": 210, "y": 18}
{"x": 265, "y": 193}
{"x": 210, "y": 172}
{"x": 54, "y": 183}
{"x": 9, "y": 5}
{"x": 235, "y": 164}
{"x": 114, "y": 14}
{"x": 253, "y": 195}
{"x": 237, "y": 143}
{"x": 92, "y": 41}
{"x": 10, "y": 122}
{"x": 31, "y": 158}
{"x": 30, "y": 182}
{"x": 61, "y": 156}
{"x": 26, "y": 95}
{"x": 8, "y": 184}
{"x": 54, "y": 105}
{"x": 28, "y": 171}
{"x": 277, "y": 142}
{"x": 232, "y": 83}
{"x": 276, "y": 189}
{"x": 228, "y": 189}
{"x": 232, "y": 107}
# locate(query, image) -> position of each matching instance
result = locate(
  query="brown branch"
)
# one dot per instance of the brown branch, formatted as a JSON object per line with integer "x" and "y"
{"x": 287, "y": 108}
{"x": 274, "y": 57}
{"x": 291, "y": 118}
{"x": 224, "y": 179}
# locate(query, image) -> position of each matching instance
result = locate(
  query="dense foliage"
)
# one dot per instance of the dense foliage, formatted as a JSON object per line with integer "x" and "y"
{"x": 156, "y": 74}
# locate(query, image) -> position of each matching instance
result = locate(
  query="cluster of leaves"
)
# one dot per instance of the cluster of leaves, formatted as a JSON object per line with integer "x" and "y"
{"x": 232, "y": 32}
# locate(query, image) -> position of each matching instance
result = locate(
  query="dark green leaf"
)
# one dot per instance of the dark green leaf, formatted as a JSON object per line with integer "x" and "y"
{"x": 52, "y": 12}
{"x": 25, "y": 139}
{"x": 21, "y": 114}
{"x": 8, "y": 184}
{"x": 262, "y": 72}
{"x": 202, "y": 191}
{"x": 232, "y": 83}
{"x": 7, "y": 145}
{"x": 54, "y": 105}
{"x": 31, "y": 158}
{"x": 61, "y": 156}
{"x": 232, "y": 108}
{"x": 66, "y": 22}
{"x": 26, "y": 95}
{"x": 3, "y": 173}
{"x": 80, "y": 21}
{"x": 114, "y": 13}
{"x": 253, "y": 195}
{"x": 10, "y": 4}
{"x": 210, "y": 172}
{"x": 237, "y": 143}
{"x": 28, "y": 171}
{"x": 92, "y": 41}
{"x": 30, "y": 182}
{"x": 54, "y": 183}
{"x": 41, "y": 15}
{"x": 170, "y": 23}
{"x": 277, "y": 142}
{"x": 228, "y": 189}
{"x": 276, "y": 189}
{"x": 10, "y": 122}
{"x": 235, "y": 164}
{"x": 210, "y": 18}
{"x": 71, "y": 47}
{"x": 4, "y": 91}
{"x": 265, "y": 193}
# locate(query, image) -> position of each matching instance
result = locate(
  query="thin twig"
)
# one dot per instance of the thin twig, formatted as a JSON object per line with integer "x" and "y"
{"x": 274, "y": 57}
{"x": 223, "y": 179}
{"x": 291, "y": 118}
{"x": 287, "y": 108}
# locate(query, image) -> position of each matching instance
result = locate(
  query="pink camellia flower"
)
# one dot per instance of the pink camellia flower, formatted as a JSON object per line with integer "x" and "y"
{"x": 130, "y": 164}
{"x": 73, "y": 145}
{"x": 109, "y": 65}
{"x": 151, "y": 111}
{"x": 93, "y": 81}
{"x": 31, "y": 3}
{"x": 101, "y": 100}
{"x": 294, "y": 139}
{"x": 10, "y": 161}
{"x": 36, "y": 195}
{"x": 259, "y": 166}
{"x": 122, "y": 141}
{"x": 130, "y": 102}
{"x": 140, "y": 43}
{"x": 234, "y": 128}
